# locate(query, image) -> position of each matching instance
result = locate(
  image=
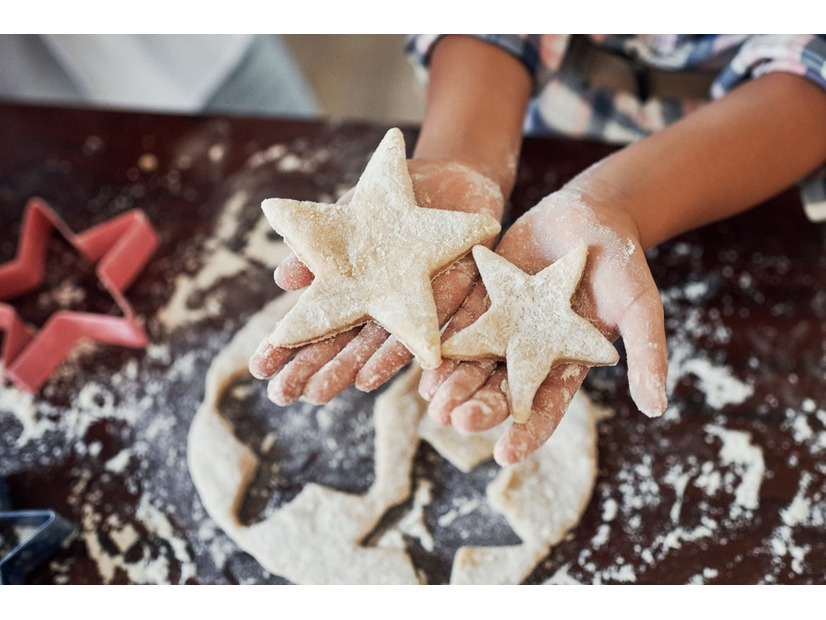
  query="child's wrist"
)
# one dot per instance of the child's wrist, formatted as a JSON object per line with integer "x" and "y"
{"x": 603, "y": 202}
{"x": 498, "y": 168}
{"x": 455, "y": 185}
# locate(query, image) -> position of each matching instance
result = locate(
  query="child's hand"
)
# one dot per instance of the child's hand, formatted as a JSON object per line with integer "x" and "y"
{"x": 617, "y": 293}
{"x": 368, "y": 356}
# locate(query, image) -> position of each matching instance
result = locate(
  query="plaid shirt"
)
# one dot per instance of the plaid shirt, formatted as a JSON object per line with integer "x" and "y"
{"x": 564, "y": 105}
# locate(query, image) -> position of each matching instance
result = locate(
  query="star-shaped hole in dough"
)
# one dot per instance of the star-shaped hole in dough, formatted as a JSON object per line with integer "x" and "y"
{"x": 531, "y": 325}
{"x": 373, "y": 257}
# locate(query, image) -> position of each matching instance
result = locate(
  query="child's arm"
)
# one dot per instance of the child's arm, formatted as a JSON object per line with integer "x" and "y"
{"x": 465, "y": 159}
{"x": 732, "y": 154}
{"x": 726, "y": 157}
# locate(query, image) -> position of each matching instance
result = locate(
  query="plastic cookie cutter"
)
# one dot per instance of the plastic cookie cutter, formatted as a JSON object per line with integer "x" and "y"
{"x": 41, "y": 533}
{"x": 120, "y": 247}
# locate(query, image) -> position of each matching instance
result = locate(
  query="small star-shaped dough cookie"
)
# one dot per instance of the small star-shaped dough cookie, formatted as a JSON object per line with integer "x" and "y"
{"x": 373, "y": 257}
{"x": 531, "y": 325}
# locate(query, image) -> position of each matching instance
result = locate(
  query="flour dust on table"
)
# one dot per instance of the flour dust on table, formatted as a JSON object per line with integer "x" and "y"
{"x": 739, "y": 498}
{"x": 316, "y": 538}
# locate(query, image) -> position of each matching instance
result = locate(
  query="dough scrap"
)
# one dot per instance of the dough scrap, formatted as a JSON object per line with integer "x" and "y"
{"x": 464, "y": 452}
{"x": 531, "y": 325}
{"x": 373, "y": 257}
{"x": 542, "y": 497}
{"x": 316, "y": 538}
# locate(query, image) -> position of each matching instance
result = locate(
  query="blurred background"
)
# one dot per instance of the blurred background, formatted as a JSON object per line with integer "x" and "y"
{"x": 349, "y": 77}
{"x": 362, "y": 77}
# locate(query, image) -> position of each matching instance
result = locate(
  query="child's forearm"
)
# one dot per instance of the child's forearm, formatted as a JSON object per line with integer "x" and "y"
{"x": 476, "y": 105}
{"x": 723, "y": 159}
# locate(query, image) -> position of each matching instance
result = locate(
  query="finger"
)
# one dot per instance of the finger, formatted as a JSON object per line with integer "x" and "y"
{"x": 643, "y": 331}
{"x": 549, "y": 405}
{"x": 268, "y": 359}
{"x": 288, "y": 385}
{"x": 474, "y": 306}
{"x": 339, "y": 373}
{"x": 459, "y": 387}
{"x": 450, "y": 288}
{"x": 390, "y": 357}
{"x": 291, "y": 274}
{"x": 431, "y": 380}
{"x": 487, "y": 408}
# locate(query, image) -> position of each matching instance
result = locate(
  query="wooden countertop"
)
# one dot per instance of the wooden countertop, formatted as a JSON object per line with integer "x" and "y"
{"x": 727, "y": 487}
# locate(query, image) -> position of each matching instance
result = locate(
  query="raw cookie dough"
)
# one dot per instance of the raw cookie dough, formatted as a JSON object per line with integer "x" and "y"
{"x": 316, "y": 538}
{"x": 542, "y": 497}
{"x": 530, "y": 324}
{"x": 373, "y": 257}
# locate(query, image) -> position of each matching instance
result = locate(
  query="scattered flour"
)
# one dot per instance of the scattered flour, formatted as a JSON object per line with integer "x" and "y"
{"x": 562, "y": 578}
{"x": 690, "y": 324}
{"x": 158, "y": 525}
{"x": 461, "y": 507}
{"x": 289, "y": 158}
{"x": 125, "y": 537}
{"x": 119, "y": 462}
{"x": 747, "y": 459}
{"x": 220, "y": 265}
{"x": 261, "y": 248}
{"x": 147, "y": 548}
{"x": 135, "y": 539}
{"x": 622, "y": 573}
{"x": 702, "y": 578}
{"x": 22, "y": 405}
{"x": 807, "y": 510}
{"x": 718, "y": 384}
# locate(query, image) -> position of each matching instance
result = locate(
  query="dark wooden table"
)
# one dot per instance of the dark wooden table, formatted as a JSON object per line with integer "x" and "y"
{"x": 728, "y": 487}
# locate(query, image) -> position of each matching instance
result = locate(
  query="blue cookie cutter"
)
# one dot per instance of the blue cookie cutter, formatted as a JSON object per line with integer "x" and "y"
{"x": 49, "y": 530}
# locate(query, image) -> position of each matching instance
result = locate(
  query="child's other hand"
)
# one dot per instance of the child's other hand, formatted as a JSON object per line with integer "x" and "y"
{"x": 368, "y": 356}
{"x": 617, "y": 293}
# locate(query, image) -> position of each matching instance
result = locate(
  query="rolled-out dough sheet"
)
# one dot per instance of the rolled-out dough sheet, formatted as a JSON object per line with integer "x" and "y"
{"x": 316, "y": 538}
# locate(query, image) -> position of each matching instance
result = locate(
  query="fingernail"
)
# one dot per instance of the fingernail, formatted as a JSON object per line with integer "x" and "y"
{"x": 510, "y": 453}
{"x": 659, "y": 405}
{"x": 318, "y": 392}
{"x": 503, "y": 457}
{"x": 470, "y": 416}
{"x": 649, "y": 393}
{"x": 276, "y": 395}
{"x": 655, "y": 410}
{"x": 260, "y": 365}
{"x": 438, "y": 415}
{"x": 427, "y": 387}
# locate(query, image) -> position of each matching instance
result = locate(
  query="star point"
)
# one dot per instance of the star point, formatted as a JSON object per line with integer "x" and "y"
{"x": 530, "y": 324}
{"x": 373, "y": 257}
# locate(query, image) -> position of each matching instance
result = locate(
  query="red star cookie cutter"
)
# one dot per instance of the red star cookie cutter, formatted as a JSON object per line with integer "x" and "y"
{"x": 120, "y": 247}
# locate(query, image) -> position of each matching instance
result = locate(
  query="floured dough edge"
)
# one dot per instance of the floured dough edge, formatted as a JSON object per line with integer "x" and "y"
{"x": 315, "y": 539}
{"x": 542, "y": 497}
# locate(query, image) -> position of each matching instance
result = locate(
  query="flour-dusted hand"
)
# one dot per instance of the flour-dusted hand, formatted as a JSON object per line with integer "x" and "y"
{"x": 616, "y": 293}
{"x": 465, "y": 159}
{"x": 368, "y": 356}
{"x": 530, "y": 325}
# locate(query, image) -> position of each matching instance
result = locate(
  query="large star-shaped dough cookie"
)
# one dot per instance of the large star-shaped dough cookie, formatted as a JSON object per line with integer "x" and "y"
{"x": 531, "y": 325}
{"x": 373, "y": 257}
